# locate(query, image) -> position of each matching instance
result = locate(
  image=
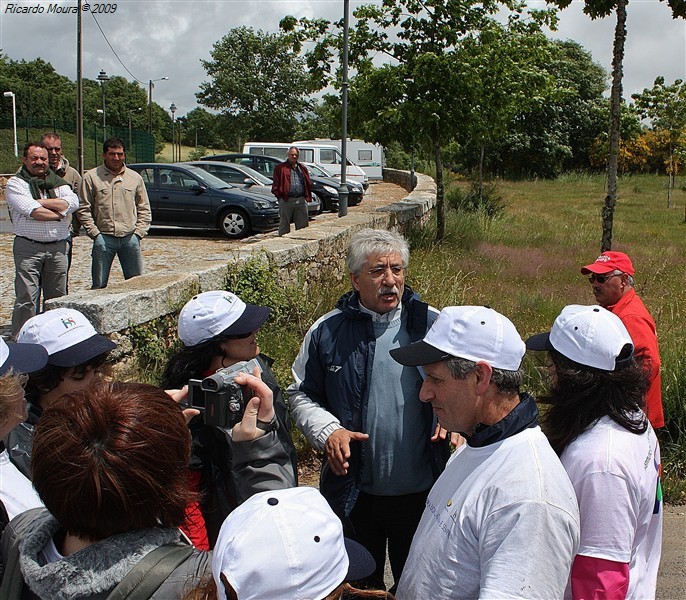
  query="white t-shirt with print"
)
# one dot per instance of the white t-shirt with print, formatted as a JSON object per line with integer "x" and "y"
{"x": 615, "y": 474}
{"x": 500, "y": 522}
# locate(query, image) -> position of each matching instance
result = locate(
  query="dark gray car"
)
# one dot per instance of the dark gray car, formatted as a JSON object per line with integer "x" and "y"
{"x": 186, "y": 196}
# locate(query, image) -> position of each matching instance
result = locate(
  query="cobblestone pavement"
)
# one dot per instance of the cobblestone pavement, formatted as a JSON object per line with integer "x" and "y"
{"x": 163, "y": 248}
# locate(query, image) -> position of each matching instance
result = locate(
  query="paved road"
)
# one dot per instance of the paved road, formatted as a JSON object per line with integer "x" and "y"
{"x": 165, "y": 248}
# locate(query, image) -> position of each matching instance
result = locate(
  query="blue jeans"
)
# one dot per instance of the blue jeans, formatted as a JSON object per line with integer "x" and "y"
{"x": 105, "y": 248}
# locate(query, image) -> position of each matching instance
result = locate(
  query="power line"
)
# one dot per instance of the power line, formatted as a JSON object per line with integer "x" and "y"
{"x": 115, "y": 52}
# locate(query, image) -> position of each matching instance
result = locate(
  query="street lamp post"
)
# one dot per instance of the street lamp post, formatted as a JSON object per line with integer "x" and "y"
{"x": 343, "y": 189}
{"x": 196, "y": 136}
{"x": 151, "y": 86}
{"x": 172, "y": 109}
{"x": 14, "y": 120}
{"x": 102, "y": 78}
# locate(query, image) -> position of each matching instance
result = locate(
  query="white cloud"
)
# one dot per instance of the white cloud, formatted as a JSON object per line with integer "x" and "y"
{"x": 159, "y": 38}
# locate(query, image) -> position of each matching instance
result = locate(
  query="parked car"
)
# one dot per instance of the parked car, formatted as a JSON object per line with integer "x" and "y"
{"x": 354, "y": 187}
{"x": 186, "y": 196}
{"x": 248, "y": 179}
{"x": 325, "y": 188}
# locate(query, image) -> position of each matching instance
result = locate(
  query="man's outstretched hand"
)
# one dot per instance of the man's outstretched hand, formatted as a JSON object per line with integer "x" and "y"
{"x": 338, "y": 449}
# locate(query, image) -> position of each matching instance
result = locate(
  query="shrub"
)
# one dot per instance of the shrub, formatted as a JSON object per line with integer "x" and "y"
{"x": 487, "y": 200}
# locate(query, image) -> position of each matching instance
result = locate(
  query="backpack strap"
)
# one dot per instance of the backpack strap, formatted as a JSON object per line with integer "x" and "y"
{"x": 150, "y": 572}
{"x": 12, "y": 586}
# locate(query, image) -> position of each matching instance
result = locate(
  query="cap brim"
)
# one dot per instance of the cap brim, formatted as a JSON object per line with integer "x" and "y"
{"x": 24, "y": 358}
{"x": 252, "y": 319}
{"x": 597, "y": 268}
{"x": 362, "y": 564}
{"x": 540, "y": 341}
{"x": 82, "y": 352}
{"x": 417, "y": 354}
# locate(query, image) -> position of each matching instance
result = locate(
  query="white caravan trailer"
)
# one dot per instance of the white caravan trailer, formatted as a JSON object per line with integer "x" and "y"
{"x": 325, "y": 154}
{"x": 369, "y": 157}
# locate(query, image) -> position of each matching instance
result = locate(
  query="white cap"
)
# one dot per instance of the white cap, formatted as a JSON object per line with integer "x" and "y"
{"x": 214, "y": 313}
{"x": 286, "y": 544}
{"x": 476, "y": 333}
{"x": 588, "y": 335}
{"x": 67, "y": 335}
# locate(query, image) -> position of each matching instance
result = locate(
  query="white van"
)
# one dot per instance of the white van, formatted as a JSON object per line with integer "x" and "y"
{"x": 324, "y": 154}
{"x": 369, "y": 157}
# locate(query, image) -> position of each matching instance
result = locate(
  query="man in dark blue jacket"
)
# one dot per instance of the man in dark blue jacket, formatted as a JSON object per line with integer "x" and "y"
{"x": 352, "y": 401}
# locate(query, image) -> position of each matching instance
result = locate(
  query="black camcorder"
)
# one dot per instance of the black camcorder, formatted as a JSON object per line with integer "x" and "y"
{"x": 220, "y": 399}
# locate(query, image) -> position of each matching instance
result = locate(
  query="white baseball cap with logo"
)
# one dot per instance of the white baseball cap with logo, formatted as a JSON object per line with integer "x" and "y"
{"x": 67, "y": 335}
{"x": 215, "y": 313}
{"x": 588, "y": 335}
{"x": 476, "y": 333}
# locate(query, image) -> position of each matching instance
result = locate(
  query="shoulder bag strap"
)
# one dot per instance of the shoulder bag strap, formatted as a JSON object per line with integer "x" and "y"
{"x": 151, "y": 572}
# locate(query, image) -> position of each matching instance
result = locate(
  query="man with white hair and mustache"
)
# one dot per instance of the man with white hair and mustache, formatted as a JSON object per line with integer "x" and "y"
{"x": 357, "y": 405}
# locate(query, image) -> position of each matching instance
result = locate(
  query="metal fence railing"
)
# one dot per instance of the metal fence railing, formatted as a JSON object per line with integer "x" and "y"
{"x": 140, "y": 145}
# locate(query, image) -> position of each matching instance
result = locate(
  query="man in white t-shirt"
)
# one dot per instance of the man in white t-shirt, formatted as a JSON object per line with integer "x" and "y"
{"x": 609, "y": 450}
{"x": 502, "y": 520}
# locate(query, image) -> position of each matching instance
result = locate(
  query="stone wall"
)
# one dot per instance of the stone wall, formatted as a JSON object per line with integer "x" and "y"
{"x": 316, "y": 253}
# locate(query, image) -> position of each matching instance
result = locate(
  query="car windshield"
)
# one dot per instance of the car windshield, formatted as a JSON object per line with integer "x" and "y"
{"x": 208, "y": 179}
{"x": 250, "y": 172}
{"x": 315, "y": 169}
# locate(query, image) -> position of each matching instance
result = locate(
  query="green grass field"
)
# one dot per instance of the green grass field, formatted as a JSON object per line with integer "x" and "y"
{"x": 526, "y": 263}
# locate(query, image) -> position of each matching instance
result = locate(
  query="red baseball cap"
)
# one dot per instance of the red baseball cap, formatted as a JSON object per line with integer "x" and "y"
{"x": 610, "y": 261}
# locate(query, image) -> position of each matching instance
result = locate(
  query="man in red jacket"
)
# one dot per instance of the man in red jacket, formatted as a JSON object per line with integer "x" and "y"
{"x": 612, "y": 279}
{"x": 293, "y": 189}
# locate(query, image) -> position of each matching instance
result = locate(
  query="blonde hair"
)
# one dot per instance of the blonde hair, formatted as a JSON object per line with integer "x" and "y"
{"x": 11, "y": 385}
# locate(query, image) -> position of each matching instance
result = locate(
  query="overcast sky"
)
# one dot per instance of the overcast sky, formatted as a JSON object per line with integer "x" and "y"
{"x": 153, "y": 39}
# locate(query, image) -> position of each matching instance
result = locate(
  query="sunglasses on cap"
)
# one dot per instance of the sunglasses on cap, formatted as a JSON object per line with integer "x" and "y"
{"x": 602, "y": 278}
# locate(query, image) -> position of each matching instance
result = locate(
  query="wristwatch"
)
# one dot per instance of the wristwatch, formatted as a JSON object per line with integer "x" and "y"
{"x": 268, "y": 425}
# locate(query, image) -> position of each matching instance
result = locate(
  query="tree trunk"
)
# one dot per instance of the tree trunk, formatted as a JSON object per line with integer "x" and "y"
{"x": 481, "y": 172}
{"x": 440, "y": 204}
{"x": 615, "y": 120}
{"x": 670, "y": 183}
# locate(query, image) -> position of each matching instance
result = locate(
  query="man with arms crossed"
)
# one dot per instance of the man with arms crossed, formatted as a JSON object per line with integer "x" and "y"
{"x": 38, "y": 202}
{"x": 352, "y": 401}
{"x": 115, "y": 211}
{"x": 502, "y": 520}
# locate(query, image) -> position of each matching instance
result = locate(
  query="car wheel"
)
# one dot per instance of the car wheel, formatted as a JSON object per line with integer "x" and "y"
{"x": 234, "y": 223}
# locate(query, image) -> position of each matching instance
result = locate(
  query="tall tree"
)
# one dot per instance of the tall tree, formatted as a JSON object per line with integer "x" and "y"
{"x": 665, "y": 106}
{"x": 428, "y": 85}
{"x": 259, "y": 80}
{"x": 598, "y": 9}
{"x": 555, "y": 130}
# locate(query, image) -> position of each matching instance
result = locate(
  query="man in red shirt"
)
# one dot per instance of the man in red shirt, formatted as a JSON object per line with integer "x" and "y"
{"x": 612, "y": 279}
{"x": 293, "y": 189}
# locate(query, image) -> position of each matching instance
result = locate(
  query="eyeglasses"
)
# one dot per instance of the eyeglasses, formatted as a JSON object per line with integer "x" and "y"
{"x": 602, "y": 278}
{"x": 380, "y": 271}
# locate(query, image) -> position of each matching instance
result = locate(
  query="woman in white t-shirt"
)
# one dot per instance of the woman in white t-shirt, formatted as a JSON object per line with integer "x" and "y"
{"x": 596, "y": 424}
